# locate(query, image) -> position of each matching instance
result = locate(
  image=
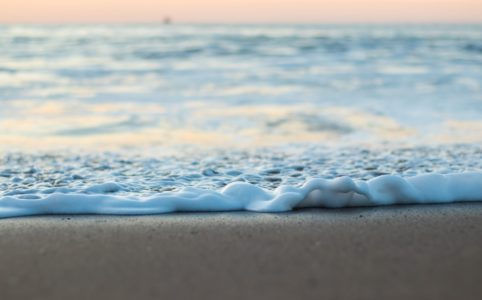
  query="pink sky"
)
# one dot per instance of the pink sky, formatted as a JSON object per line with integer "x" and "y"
{"x": 240, "y": 11}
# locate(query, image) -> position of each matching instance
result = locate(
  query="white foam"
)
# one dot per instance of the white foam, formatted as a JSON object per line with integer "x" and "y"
{"x": 334, "y": 193}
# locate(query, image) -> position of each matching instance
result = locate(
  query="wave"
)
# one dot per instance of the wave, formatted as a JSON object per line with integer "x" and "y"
{"x": 331, "y": 193}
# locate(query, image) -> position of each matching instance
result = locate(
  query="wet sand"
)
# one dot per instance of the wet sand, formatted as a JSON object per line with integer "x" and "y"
{"x": 400, "y": 252}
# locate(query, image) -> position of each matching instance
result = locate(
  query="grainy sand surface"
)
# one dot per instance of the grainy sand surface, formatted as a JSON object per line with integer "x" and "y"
{"x": 401, "y": 252}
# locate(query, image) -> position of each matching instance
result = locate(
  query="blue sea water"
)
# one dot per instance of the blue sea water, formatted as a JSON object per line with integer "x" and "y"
{"x": 239, "y": 85}
{"x": 154, "y": 108}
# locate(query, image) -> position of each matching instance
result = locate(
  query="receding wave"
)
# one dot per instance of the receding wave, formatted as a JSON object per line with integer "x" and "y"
{"x": 332, "y": 193}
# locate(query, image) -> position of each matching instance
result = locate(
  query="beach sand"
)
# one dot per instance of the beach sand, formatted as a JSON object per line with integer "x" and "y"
{"x": 399, "y": 252}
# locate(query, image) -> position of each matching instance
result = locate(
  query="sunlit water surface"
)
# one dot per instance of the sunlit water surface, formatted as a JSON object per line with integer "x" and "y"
{"x": 157, "y": 108}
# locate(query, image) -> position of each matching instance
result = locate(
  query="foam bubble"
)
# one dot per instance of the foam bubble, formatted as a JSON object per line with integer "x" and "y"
{"x": 336, "y": 193}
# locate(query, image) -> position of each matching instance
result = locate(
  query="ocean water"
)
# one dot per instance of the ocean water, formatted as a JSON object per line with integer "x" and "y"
{"x": 136, "y": 112}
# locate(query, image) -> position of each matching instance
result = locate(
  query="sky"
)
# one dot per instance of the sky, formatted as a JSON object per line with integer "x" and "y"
{"x": 241, "y": 11}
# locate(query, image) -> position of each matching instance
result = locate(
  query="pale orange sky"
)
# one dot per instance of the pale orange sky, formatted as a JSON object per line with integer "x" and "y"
{"x": 241, "y": 11}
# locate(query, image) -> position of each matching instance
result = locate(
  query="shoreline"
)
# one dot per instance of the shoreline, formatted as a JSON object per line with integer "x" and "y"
{"x": 243, "y": 196}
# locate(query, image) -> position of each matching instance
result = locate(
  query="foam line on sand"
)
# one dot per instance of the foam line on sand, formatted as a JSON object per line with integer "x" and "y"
{"x": 316, "y": 192}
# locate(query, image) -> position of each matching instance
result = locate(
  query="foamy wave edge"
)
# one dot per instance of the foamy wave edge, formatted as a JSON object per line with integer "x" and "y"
{"x": 237, "y": 196}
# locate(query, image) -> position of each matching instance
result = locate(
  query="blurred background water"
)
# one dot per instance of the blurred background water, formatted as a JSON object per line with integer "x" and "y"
{"x": 141, "y": 86}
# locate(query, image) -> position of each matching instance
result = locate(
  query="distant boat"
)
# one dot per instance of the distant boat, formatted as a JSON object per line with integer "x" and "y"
{"x": 167, "y": 21}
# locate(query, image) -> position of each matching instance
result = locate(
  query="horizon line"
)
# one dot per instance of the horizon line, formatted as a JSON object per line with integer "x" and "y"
{"x": 161, "y": 22}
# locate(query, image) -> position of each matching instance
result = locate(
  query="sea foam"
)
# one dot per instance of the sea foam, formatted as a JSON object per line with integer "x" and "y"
{"x": 332, "y": 193}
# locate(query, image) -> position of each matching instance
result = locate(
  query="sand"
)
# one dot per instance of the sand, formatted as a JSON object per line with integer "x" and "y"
{"x": 400, "y": 252}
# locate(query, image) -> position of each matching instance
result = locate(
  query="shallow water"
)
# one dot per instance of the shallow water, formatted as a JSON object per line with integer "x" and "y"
{"x": 270, "y": 168}
{"x": 258, "y": 180}
{"x": 238, "y": 86}
{"x": 137, "y": 110}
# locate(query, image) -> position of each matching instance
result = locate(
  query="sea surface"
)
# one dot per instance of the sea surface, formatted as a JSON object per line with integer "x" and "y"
{"x": 154, "y": 108}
